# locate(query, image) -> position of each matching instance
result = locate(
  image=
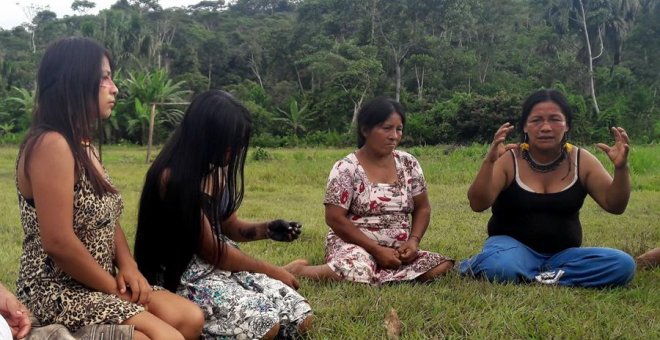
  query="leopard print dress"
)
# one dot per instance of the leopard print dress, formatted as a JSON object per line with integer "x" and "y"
{"x": 51, "y": 294}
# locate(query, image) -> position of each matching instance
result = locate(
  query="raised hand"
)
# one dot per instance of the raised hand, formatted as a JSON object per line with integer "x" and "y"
{"x": 497, "y": 147}
{"x": 283, "y": 231}
{"x": 618, "y": 153}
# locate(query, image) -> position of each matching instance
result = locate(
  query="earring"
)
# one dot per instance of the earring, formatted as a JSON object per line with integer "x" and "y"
{"x": 565, "y": 144}
{"x": 524, "y": 145}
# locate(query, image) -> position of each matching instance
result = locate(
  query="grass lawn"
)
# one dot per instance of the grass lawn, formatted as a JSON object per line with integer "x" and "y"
{"x": 290, "y": 185}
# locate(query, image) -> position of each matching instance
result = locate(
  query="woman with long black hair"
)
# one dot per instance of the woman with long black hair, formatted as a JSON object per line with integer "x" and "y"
{"x": 188, "y": 226}
{"x": 76, "y": 268}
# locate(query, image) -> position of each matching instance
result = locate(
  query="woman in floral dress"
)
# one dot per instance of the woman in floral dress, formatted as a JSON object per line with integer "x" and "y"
{"x": 377, "y": 208}
{"x": 188, "y": 226}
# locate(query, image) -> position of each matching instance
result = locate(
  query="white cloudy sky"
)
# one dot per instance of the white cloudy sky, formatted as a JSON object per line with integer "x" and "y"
{"x": 12, "y": 15}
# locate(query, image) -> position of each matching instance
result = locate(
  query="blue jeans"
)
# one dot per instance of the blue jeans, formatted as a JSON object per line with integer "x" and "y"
{"x": 504, "y": 259}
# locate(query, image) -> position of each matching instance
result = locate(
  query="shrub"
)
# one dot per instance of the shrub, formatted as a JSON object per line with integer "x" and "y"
{"x": 260, "y": 154}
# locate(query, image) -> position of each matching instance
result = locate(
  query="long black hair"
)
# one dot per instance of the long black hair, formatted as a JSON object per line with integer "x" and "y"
{"x": 67, "y": 102}
{"x": 375, "y": 112}
{"x": 207, "y": 150}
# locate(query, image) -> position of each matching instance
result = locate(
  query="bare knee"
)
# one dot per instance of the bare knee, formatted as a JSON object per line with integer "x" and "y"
{"x": 191, "y": 322}
{"x": 436, "y": 271}
{"x": 179, "y": 312}
{"x": 137, "y": 335}
{"x": 272, "y": 333}
{"x": 305, "y": 325}
{"x": 147, "y": 326}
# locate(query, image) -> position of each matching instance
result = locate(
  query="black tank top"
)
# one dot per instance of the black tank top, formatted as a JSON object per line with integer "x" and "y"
{"x": 547, "y": 223}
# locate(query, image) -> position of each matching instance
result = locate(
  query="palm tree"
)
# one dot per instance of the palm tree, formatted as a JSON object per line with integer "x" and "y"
{"x": 25, "y": 99}
{"x": 619, "y": 22}
{"x": 295, "y": 118}
{"x": 148, "y": 90}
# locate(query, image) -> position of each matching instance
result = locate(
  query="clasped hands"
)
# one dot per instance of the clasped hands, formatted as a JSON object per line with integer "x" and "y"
{"x": 393, "y": 258}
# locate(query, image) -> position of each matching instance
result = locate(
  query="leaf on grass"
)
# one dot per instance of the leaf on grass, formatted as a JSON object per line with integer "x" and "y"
{"x": 392, "y": 325}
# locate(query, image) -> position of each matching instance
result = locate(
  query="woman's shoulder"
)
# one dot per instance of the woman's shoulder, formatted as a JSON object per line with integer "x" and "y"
{"x": 347, "y": 162}
{"x": 404, "y": 155}
{"x": 50, "y": 144}
{"x": 406, "y": 158}
{"x": 586, "y": 160}
{"x": 50, "y": 139}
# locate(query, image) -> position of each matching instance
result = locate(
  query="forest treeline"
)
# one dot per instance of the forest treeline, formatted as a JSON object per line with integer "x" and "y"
{"x": 304, "y": 67}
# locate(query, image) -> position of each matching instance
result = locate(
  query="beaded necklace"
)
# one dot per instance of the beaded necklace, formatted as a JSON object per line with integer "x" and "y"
{"x": 86, "y": 142}
{"x": 544, "y": 167}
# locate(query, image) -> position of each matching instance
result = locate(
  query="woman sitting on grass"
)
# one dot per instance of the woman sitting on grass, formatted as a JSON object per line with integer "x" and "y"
{"x": 536, "y": 190}
{"x": 76, "y": 268}
{"x": 370, "y": 198}
{"x": 187, "y": 226}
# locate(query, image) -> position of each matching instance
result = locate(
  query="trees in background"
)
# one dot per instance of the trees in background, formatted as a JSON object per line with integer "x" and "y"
{"x": 460, "y": 67}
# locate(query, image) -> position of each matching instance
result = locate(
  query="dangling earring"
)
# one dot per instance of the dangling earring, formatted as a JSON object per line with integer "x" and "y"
{"x": 565, "y": 145}
{"x": 524, "y": 145}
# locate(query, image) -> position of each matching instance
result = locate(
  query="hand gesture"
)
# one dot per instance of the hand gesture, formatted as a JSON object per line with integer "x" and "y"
{"x": 133, "y": 286}
{"x": 386, "y": 257}
{"x": 497, "y": 147}
{"x": 283, "y": 231}
{"x": 283, "y": 275}
{"x": 16, "y": 315}
{"x": 618, "y": 153}
{"x": 408, "y": 251}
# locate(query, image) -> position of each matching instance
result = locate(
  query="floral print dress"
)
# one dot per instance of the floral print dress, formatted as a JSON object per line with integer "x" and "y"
{"x": 241, "y": 305}
{"x": 380, "y": 211}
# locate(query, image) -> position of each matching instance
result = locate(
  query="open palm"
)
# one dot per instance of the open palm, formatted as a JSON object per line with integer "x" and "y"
{"x": 618, "y": 153}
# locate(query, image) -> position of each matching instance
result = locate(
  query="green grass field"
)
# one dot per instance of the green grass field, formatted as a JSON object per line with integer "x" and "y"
{"x": 291, "y": 186}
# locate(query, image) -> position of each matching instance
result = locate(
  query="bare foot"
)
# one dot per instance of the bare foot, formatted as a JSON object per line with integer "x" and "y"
{"x": 296, "y": 266}
{"x": 650, "y": 259}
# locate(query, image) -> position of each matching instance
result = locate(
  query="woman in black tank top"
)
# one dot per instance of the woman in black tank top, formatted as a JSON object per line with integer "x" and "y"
{"x": 536, "y": 190}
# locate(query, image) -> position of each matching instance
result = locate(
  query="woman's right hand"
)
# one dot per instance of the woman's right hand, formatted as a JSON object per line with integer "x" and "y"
{"x": 287, "y": 278}
{"x": 15, "y": 313}
{"x": 388, "y": 258}
{"x": 497, "y": 147}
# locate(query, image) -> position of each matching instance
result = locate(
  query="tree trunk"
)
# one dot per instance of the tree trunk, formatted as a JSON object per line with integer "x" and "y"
{"x": 591, "y": 60}
{"x": 208, "y": 86}
{"x": 420, "y": 83}
{"x": 373, "y": 21}
{"x": 255, "y": 69}
{"x": 398, "y": 82}
{"x": 152, "y": 118}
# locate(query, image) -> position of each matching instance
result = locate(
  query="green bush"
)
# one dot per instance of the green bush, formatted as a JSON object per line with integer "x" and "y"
{"x": 261, "y": 154}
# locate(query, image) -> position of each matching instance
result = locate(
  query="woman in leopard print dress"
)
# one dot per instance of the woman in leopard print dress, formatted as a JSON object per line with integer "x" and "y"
{"x": 76, "y": 268}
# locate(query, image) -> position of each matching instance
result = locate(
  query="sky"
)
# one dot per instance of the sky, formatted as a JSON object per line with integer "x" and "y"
{"x": 12, "y": 15}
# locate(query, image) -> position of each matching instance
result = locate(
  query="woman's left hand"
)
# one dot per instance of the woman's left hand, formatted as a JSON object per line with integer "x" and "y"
{"x": 408, "y": 251}
{"x": 618, "y": 153}
{"x": 133, "y": 286}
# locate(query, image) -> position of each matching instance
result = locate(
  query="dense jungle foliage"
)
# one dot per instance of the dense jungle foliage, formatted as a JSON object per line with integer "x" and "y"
{"x": 304, "y": 67}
